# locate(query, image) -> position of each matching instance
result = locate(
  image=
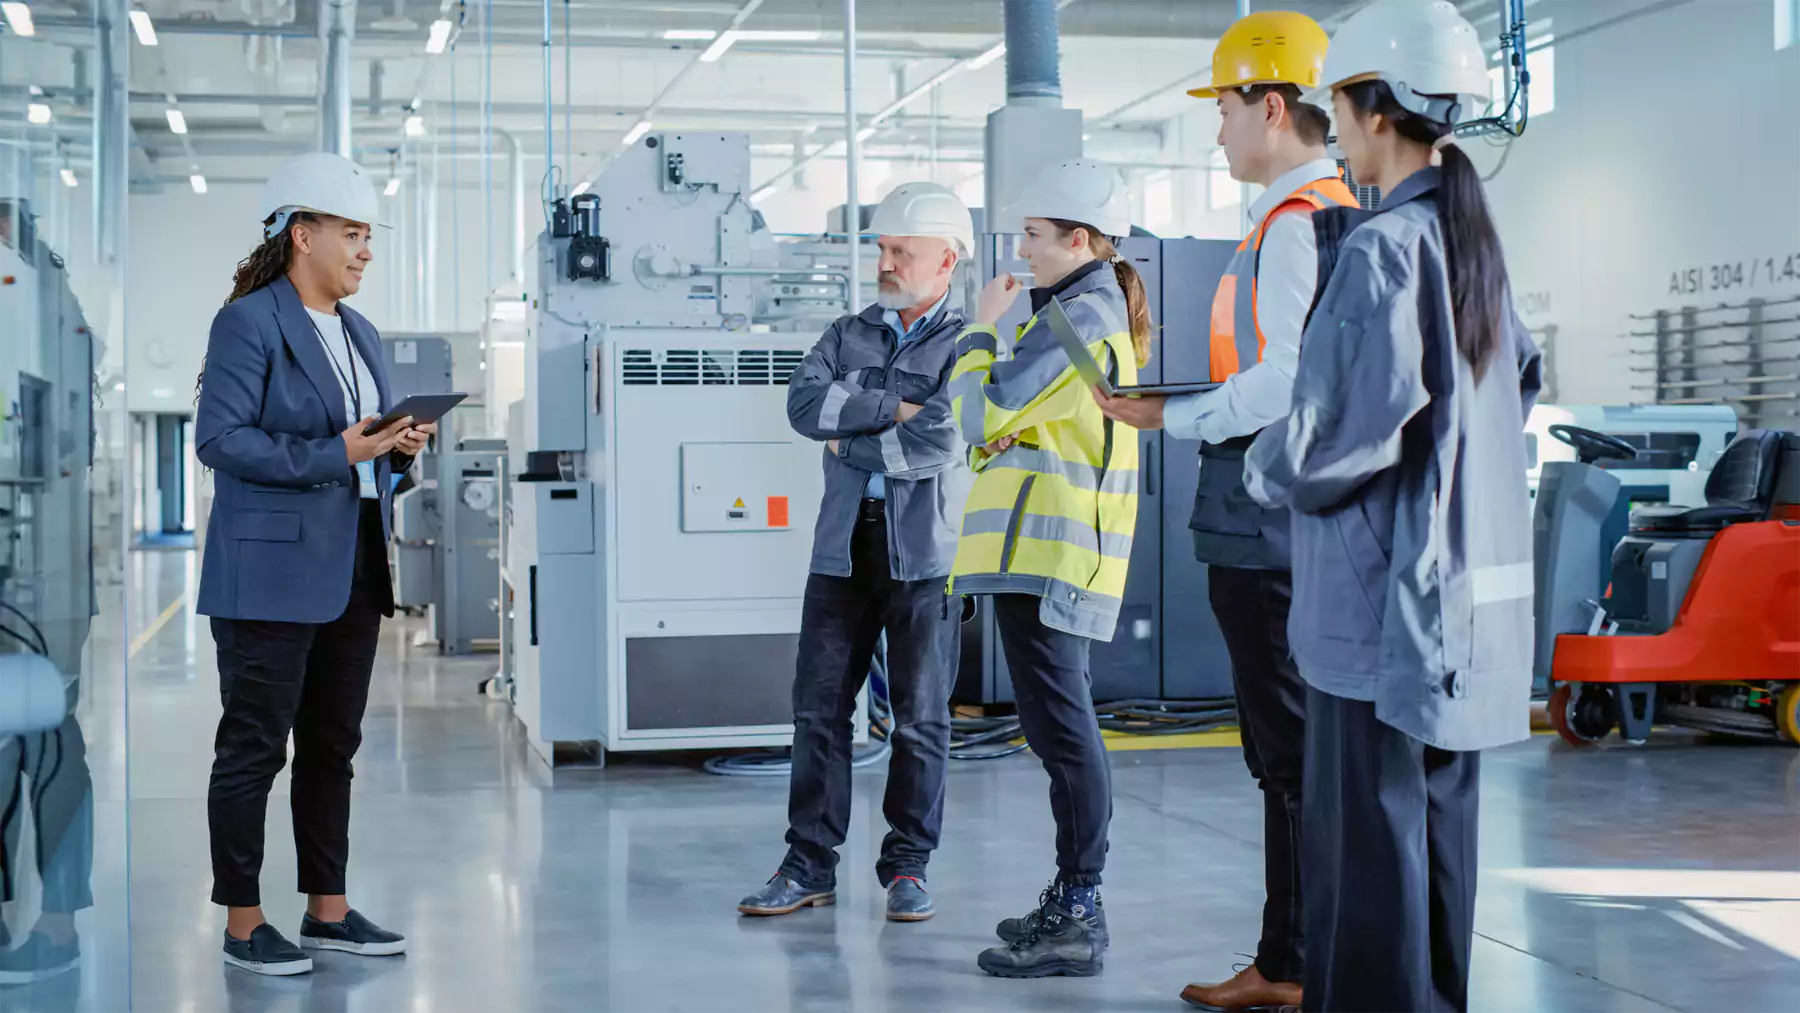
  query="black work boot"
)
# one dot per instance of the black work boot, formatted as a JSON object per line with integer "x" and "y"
{"x": 1063, "y": 939}
{"x": 783, "y": 895}
{"x": 1012, "y": 930}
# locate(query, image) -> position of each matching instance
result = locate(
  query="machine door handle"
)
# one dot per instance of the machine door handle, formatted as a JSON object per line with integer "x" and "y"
{"x": 1149, "y": 467}
{"x": 532, "y": 591}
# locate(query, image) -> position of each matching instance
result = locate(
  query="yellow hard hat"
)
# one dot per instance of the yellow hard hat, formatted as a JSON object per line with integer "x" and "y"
{"x": 1268, "y": 47}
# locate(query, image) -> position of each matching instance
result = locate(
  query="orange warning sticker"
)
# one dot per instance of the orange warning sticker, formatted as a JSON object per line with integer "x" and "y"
{"x": 778, "y": 511}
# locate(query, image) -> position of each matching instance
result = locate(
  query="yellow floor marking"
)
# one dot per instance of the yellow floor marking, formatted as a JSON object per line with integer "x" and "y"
{"x": 142, "y": 639}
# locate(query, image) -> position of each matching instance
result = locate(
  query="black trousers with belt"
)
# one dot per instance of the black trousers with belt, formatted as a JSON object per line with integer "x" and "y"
{"x": 1055, "y": 695}
{"x": 1389, "y": 846}
{"x": 1252, "y": 609}
{"x": 310, "y": 679}
{"x": 841, "y": 621}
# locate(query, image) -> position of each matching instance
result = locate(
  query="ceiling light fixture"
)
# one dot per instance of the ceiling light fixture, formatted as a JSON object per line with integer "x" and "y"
{"x": 580, "y": 188}
{"x": 177, "y": 122}
{"x": 633, "y": 135}
{"x": 198, "y": 182}
{"x": 140, "y": 23}
{"x": 865, "y": 133}
{"x": 719, "y": 46}
{"x": 68, "y": 178}
{"x": 988, "y": 57}
{"x": 415, "y": 125}
{"x": 18, "y": 15}
{"x": 392, "y": 188}
{"x": 440, "y": 36}
{"x": 38, "y": 113}
{"x": 690, "y": 34}
{"x": 758, "y": 196}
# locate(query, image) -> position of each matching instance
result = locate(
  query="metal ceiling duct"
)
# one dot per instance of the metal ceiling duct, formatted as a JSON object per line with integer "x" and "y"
{"x": 337, "y": 29}
{"x": 1032, "y": 73}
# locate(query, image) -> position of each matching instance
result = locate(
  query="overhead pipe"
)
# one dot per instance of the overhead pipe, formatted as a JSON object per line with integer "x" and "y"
{"x": 487, "y": 148}
{"x": 1033, "y": 75}
{"x": 112, "y": 133}
{"x": 852, "y": 144}
{"x": 515, "y": 183}
{"x": 337, "y": 27}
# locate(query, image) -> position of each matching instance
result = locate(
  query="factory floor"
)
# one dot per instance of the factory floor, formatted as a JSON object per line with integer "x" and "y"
{"x": 1659, "y": 877}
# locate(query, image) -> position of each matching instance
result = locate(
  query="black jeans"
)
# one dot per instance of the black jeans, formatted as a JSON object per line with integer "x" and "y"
{"x": 1390, "y": 828}
{"x": 841, "y": 621}
{"x": 1252, "y": 609}
{"x": 311, "y": 679}
{"x": 1055, "y": 695}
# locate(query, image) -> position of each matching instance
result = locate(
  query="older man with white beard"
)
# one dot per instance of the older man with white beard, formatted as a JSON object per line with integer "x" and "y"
{"x": 874, "y": 391}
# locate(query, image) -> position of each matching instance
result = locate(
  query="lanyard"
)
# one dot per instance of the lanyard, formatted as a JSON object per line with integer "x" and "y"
{"x": 353, "y": 382}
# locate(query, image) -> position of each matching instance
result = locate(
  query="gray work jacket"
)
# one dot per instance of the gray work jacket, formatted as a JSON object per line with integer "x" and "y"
{"x": 848, "y": 389}
{"x": 1406, "y": 476}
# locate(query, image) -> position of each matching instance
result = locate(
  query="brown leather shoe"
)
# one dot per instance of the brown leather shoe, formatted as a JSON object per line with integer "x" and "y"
{"x": 1247, "y": 990}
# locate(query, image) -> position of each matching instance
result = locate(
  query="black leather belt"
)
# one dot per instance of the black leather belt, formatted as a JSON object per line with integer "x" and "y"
{"x": 873, "y": 510}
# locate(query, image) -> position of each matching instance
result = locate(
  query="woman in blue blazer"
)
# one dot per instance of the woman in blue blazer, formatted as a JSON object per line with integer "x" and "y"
{"x": 295, "y": 573}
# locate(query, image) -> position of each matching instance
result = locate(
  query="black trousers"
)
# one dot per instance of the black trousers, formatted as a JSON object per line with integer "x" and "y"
{"x": 1055, "y": 695}
{"x": 310, "y": 679}
{"x": 841, "y": 621}
{"x": 1252, "y": 609}
{"x": 1389, "y": 843}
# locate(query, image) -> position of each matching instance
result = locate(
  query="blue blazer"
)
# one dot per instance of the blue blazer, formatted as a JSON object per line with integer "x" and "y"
{"x": 281, "y": 543}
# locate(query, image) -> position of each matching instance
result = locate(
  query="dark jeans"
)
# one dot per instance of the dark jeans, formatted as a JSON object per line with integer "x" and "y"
{"x": 1252, "y": 609}
{"x": 841, "y": 620}
{"x": 45, "y": 775}
{"x": 311, "y": 679}
{"x": 1390, "y": 864}
{"x": 1055, "y": 696}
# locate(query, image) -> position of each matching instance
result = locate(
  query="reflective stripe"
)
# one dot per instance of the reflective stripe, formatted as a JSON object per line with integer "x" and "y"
{"x": 973, "y": 339}
{"x": 892, "y": 455}
{"x": 1490, "y": 584}
{"x": 1109, "y": 321}
{"x": 831, "y": 413}
{"x": 971, "y": 406}
{"x": 1048, "y": 529}
{"x": 1082, "y": 476}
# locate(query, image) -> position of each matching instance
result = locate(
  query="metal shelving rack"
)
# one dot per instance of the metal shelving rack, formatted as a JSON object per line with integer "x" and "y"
{"x": 1743, "y": 354}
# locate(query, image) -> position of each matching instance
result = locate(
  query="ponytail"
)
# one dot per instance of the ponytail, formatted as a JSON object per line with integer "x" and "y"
{"x": 1471, "y": 243}
{"x": 1137, "y": 301}
{"x": 269, "y": 261}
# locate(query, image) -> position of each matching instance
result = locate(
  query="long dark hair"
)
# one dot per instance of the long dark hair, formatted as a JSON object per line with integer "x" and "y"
{"x": 1137, "y": 303}
{"x": 1477, "y": 265}
{"x": 269, "y": 261}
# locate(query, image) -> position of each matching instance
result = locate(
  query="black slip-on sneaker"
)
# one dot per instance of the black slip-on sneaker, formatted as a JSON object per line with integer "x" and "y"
{"x": 267, "y": 951}
{"x": 355, "y": 934}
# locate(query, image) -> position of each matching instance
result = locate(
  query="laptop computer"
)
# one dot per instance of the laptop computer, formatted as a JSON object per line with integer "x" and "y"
{"x": 1060, "y": 325}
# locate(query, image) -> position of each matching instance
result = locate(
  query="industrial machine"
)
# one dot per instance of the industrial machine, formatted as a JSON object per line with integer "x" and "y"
{"x": 1700, "y": 623}
{"x": 47, "y": 355}
{"x": 658, "y": 507}
{"x": 446, "y": 548}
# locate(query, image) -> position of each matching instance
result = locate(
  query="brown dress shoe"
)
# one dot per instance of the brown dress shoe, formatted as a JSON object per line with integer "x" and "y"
{"x": 1247, "y": 990}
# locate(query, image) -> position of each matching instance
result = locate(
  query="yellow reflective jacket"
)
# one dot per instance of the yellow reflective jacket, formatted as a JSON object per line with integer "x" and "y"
{"x": 1054, "y": 514}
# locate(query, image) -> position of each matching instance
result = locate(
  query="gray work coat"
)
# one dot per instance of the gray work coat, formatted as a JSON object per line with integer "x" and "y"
{"x": 848, "y": 389}
{"x": 1406, "y": 477}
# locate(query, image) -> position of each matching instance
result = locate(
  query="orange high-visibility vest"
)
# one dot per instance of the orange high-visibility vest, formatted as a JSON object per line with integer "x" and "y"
{"x": 1237, "y": 338}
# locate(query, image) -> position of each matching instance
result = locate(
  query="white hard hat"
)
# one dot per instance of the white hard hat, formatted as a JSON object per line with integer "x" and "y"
{"x": 1078, "y": 190}
{"x": 924, "y": 209}
{"x": 322, "y": 182}
{"x": 1428, "y": 53}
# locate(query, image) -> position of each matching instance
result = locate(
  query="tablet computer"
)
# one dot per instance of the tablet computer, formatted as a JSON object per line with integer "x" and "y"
{"x": 422, "y": 408}
{"x": 1057, "y": 319}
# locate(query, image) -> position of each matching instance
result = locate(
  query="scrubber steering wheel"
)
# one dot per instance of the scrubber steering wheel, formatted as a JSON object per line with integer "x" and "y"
{"x": 1591, "y": 446}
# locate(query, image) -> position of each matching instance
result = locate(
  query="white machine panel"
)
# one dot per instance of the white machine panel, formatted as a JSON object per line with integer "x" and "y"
{"x": 747, "y": 487}
{"x": 717, "y": 419}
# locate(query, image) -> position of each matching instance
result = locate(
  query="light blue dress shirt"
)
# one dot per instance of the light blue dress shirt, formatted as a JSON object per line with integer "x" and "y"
{"x": 877, "y": 487}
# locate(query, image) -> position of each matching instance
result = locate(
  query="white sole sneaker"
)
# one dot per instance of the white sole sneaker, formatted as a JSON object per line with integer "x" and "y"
{"x": 393, "y": 949}
{"x": 281, "y": 970}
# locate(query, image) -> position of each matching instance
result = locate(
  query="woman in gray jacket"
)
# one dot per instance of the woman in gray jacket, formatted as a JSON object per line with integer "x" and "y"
{"x": 1403, "y": 461}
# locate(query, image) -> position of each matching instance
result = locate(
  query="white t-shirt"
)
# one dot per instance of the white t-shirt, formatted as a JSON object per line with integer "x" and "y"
{"x": 353, "y": 377}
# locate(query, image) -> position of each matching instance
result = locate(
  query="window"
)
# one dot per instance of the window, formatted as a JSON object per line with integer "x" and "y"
{"x": 1221, "y": 190}
{"x": 1540, "y": 60}
{"x": 1787, "y": 23}
{"x": 1159, "y": 204}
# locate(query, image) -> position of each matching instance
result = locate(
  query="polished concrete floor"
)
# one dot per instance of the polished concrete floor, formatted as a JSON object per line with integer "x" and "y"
{"x": 1661, "y": 877}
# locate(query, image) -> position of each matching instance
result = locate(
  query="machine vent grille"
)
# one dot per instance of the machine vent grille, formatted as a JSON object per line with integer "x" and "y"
{"x": 687, "y": 367}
